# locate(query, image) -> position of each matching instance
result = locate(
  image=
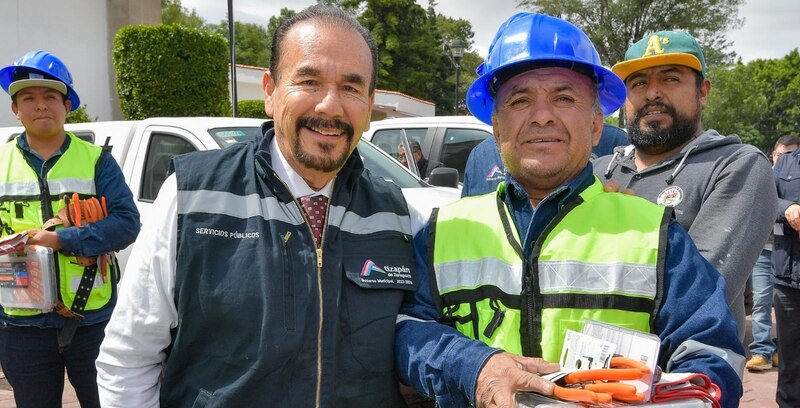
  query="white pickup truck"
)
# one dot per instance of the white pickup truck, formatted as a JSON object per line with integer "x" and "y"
{"x": 143, "y": 150}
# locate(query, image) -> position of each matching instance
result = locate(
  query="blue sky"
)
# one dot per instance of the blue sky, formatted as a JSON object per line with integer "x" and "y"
{"x": 771, "y": 29}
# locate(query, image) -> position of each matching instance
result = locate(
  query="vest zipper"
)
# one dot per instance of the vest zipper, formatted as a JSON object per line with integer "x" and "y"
{"x": 320, "y": 294}
{"x": 319, "y": 254}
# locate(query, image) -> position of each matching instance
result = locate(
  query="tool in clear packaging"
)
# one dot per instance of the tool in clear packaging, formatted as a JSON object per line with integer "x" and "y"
{"x": 603, "y": 385}
{"x": 13, "y": 243}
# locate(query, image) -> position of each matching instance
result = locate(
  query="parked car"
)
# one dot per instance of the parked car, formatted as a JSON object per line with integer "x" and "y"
{"x": 444, "y": 139}
{"x": 143, "y": 150}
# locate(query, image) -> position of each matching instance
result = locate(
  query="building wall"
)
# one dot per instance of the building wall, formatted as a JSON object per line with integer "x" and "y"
{"x": 80, "y": 33}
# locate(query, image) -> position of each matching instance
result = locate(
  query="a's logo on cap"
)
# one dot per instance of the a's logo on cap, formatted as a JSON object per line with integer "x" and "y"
{"x": 654, "y": 45}
{"x": 670, "y": 197}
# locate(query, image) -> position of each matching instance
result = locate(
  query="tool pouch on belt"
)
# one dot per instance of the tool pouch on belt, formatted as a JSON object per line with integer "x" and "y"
{"x": 80, "y": 212}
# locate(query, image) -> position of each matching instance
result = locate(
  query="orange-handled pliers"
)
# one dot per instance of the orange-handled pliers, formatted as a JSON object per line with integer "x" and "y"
{"x": 602, "y": 385}
{"x": 75, "y": 210}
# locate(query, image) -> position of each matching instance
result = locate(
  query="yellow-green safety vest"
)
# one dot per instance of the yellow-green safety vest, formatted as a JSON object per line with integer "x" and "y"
{"x": 21, "y": 196}
{"x": 601, "y": 258}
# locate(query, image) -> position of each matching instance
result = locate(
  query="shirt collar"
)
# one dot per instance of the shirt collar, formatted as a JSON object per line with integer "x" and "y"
{"x": 297, "y": 186}
{"x": 563, "y": 194}
{"x": 22, "y": 142}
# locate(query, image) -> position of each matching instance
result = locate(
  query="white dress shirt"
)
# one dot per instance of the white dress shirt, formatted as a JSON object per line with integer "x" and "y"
{"x": 129, "y": 363}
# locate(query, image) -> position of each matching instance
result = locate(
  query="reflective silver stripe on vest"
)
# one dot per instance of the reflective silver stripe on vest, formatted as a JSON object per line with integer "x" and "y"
{"x": 225, "y": 203}
{"x": 471, "y": 274}
{"x": 69, "y": 185}
{"x": 621, "y": 278}
{"x": 356, "y": 224}
{"x": 21, "y": 188}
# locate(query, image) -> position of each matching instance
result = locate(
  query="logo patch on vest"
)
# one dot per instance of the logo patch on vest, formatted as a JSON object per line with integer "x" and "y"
{"x": 496, "y": 173}
{"x": 369, "y": 268}
{"x": 670, "y": 197}
{"x": 375, "y": 276}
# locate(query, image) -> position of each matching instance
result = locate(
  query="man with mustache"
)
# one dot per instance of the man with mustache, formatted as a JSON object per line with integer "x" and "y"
{"x": 275, "y": 269}
{"x": 511, "y": 270}
{"x": 711, "y": 181}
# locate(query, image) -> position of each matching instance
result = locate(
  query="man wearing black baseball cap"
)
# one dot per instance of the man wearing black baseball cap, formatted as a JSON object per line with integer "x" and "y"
{"x": 711, "y": 181}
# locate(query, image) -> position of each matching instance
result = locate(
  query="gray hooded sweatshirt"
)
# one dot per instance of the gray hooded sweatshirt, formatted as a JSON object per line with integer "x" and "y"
{"x": 723, "y": 194}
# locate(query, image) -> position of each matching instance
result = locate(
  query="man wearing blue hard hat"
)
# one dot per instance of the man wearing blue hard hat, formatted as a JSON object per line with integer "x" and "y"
{"x": 40, "y": 167}
{"x": 512, "y": 270}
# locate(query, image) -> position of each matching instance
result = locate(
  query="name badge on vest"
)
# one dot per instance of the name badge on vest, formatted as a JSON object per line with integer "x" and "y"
{"x": 376, "y": 275}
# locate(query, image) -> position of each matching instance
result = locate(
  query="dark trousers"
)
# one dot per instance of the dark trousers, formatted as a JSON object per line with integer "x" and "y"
{"x": 787, "y": 324}
{"x": 35, "y": 368}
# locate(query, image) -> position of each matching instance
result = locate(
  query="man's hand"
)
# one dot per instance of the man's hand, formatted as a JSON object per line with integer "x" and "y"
{"x": 44, "y": 238}
{"x": 504, "y": 374}
{"x": 792, "y": 215}
{"x": 613, "y": 186}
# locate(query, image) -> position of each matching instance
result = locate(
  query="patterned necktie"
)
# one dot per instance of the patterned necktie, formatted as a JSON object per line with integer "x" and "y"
{"x": 315, "y": 208}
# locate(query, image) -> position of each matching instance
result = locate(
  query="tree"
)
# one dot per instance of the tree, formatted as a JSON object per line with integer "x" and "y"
{"x": 252, "y": 43}
{"x": 172, "y": 12}
{"x": 449, "y": 30}
{"x": 409, "y": 51}
{"x": 759, "y": 101}
{"x": 614, "y": 25}
{"x": 272, "y": 26}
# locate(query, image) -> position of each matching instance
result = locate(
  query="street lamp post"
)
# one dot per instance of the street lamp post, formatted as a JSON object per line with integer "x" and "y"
{"x": 231, "y": 44}
{"x": 456, "y": 51}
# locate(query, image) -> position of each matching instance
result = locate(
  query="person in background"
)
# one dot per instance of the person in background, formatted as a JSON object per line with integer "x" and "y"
{"x": 511, "y": 270}
{"x": 40, "y": 166}
{"x": 274, "y": 270}
{"x": 485, "y": 170}
{"x": 763, "y": 348}
{"x": 786, "y": 278}
{"x": 424, "y": 166}
{"x": 711, "y": 181}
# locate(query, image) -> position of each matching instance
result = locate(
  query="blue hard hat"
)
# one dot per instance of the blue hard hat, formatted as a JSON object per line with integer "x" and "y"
{"x": 39, "y": 68}
{"x": 529, "y": 40}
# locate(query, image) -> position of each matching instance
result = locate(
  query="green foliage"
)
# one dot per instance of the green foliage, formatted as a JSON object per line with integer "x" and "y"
{"x": 170, "y": 70}
{"x": 172, "y": 12}
{"x": 410, "y": 52}
{"x": 252, "y": 44}
{"x": 614, "y": 25}
{"x": 612, "y": 120}
{"x": 79, "y": 115}
{"x": 412, "y": 59}
{"x": 759, "y": 101}
{"x": 450, "y": 29}
{"x": 252, "y": 108}
{"x": 272, "y": 26}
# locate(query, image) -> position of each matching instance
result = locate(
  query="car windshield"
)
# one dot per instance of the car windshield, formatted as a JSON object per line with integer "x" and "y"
{"x": 226, "y": 136}
{"x": 379, "y": 163}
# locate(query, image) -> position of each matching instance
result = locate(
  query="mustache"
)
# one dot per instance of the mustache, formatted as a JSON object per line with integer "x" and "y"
{"x": 650, "y": 105}
{"x": 320, "y": 123}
